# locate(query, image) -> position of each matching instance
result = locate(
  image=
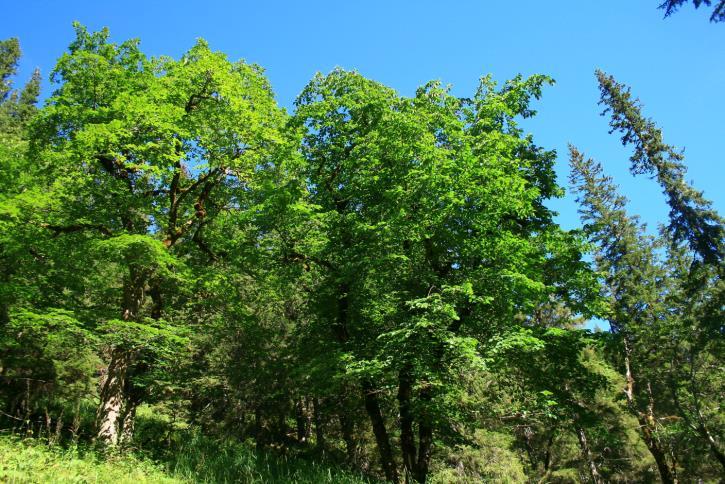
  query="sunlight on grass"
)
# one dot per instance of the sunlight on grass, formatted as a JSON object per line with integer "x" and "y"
{"x": 199, "y": 460}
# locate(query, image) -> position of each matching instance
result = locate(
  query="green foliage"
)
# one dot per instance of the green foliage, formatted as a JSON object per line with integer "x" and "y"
{"x": 200, "y": 459}
{"x": 31, "y": 461}
{"x": 488, "y": 458}
{"x": 692, "y": 218}
{"x": 49, "y": 365}
{"x": 373, "y": 282}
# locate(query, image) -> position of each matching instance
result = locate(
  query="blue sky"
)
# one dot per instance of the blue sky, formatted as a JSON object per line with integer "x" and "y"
{"x": 676, "y": 66}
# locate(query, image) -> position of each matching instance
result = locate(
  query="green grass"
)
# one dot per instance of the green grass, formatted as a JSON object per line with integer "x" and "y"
{"x": 204, "y": 460}
{"x": 30, "y": 460}
{"x": 198, "y": 460}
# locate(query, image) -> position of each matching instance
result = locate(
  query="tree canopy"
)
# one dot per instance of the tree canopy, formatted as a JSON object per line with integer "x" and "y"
{"x": 372, "y": 279}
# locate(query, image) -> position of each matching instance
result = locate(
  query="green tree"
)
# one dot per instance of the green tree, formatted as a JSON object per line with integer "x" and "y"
{"x": 696, "y": 292}
{"x": 633, "y": 283}
{"x": 24, "y": 368}
{"x": 436, "y": 240}
{"x": 16, "y": 109}
{"x": 147, "y": 155}
{"x": 692, "y": 218}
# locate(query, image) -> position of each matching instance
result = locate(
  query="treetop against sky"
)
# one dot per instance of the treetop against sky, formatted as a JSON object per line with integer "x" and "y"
{"x": 673, "y": 63}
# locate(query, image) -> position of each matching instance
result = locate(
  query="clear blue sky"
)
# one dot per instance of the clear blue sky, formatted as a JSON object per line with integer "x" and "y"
{"x": 676, "y": 66}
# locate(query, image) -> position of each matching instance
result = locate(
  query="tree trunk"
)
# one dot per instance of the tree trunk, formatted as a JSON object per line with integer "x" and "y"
{"x": 347, "y": 427}
{"x": 58, "y": 428}
{"x": 157, "y": 299}
{"x": 133, "y": 294}
{"x": 108, "y": 417}
{"x": 425, "y": 446}
{"x": 714, "y": 447}
{"x": 128, "y": 422}
{"x": 280, "y": 429}
{"x": 258, "y": 436}
{"x": 646, "y": 422}
{"x": 659, "y": 455}
{"x": 372, "y": 406}
{"x": 109, "y": 411}
{"x": 587, "y": 454}
{"x": 304, "y": 420}
{"x": 407, "y": 438}
{"x": 4, "y": 302}
{"x": 425, "y": 440}
{"x": 319, "y": 431}
{"x": 700, "y": 427}
{"x": 547, "y": 453}
{"x": 4, "y": 314}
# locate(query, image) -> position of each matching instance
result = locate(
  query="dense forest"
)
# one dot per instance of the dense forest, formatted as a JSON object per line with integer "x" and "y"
{"x": 371, "y": 282}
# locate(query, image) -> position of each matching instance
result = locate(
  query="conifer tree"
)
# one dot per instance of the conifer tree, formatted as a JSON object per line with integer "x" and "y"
{"x": 633, "y": 284}
{"x": 695, "y": 237}
{"x": 692, "y": 218}
{"x": 16, "y": 110}
{"x": 718, "y": 13}
{"x": 9, "y": 56}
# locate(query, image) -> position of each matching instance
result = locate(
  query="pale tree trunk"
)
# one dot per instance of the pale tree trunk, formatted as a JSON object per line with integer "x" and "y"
{"x": 128, "y": 422}
{"x": 109, "y": 411}
{"x": 133, "y": 294}
{"x": 587, "y": 454}
{"x": 108, "y": 417}
{"x": 646, "y": 422}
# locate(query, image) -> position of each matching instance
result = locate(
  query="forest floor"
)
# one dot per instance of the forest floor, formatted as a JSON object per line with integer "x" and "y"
{"x": 33, "y": 460}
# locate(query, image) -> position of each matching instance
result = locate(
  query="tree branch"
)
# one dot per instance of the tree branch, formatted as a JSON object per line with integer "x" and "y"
{"x": 59, "y": 229}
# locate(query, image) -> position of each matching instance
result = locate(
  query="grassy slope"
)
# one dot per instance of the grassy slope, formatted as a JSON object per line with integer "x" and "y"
{"x": 28, "y": 460}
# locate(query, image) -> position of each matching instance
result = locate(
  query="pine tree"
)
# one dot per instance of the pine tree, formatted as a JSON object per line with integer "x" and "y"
{"x": 695, "y": 236}
{"x": 633, "y": 275}
{"x": 718, "y": 13}
{"x": 692, "y": 218}
{"x": 16, "y": 110}
{"x": 9, "y": 57}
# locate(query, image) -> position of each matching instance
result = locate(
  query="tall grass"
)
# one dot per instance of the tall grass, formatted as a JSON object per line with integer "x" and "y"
{"x": 197, "y": 459}
{"x": 201, "y": 459}
{"x": 33, "y": 460}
